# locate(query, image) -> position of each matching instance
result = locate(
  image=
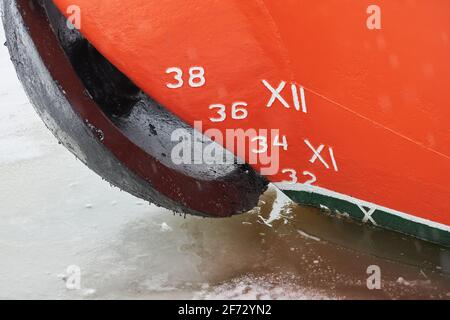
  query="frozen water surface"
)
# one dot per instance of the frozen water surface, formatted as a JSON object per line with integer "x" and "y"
{"x": 55, "y": 213}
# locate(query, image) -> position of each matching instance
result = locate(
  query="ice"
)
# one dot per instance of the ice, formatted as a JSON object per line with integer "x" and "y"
{"x": 308, "y": 236}
{"x": 165, "y": 227}
{"x": 260, "y": 288}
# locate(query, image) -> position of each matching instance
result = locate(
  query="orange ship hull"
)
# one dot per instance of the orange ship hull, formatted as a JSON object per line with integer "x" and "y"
{"x": 346, "y": 104}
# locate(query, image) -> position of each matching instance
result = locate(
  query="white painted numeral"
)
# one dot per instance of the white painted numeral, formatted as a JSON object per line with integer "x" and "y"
{"x": 333, "y": 159}
{"x": 221, "y": 112}
{"x": 317, "y": 155}
{"x": 263, "y": 146}
{"x": 178, "y": 76}
{"x": 312, "y": 179}
{"x": 299, "y": 101}
{"x": 292, "y": 175}
{"x": 196, "y": 77}
{"x": 294, "y": 178}
{"x": 303, "y": 99}
{"x": 278, "y": 143}
{"x": 238, "y": 111}
{"x": 276, "y": 94}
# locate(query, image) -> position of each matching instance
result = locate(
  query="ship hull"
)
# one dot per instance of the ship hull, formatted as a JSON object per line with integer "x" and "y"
{"x": 346, "y": 104}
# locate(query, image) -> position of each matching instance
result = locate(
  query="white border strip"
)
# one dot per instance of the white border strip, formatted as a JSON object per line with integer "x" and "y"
{"x": 333, "y": 194}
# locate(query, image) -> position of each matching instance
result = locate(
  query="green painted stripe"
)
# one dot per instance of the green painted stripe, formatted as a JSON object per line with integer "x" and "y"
{"x": 382, "y": 218}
